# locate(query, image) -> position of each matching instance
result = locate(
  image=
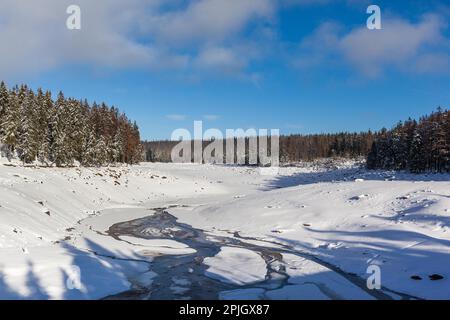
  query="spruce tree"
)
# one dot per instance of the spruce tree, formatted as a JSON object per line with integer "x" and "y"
{"x": 11, "y": 123}
{"x": 59, "y": 133}
{"x": 28, "y": 139}
{"x": 32, "y": 127}
{"x": 44, "y": 108}
{"x": 4, "y": 105}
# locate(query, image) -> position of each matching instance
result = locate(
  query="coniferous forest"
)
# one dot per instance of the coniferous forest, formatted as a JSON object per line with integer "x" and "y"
{"x": 416, "y": 146}
{"x": 34, "y": 127}
{"x": 293, "y": 148}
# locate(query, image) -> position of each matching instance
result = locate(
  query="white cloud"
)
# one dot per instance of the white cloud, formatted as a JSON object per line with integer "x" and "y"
{"x": 303, "y": 2}
{"x": 401, "y": 44}
{"x": 211, "y": 117}
{"x": 226, "y": 60}
{"x": 208, "y": 20}
{"x": 149, "y": 34}
{"x": 200, "y": 37}
{"x": 433, "y": 63}
{"x": 38, "y": 40}
{"x": 176, "y": 117}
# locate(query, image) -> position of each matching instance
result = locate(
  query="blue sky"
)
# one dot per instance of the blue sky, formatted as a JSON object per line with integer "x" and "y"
{"x": 300, "y": 66}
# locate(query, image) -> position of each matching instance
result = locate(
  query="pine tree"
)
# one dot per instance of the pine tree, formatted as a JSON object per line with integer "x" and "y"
{"x": 4, "y": 103}
{"x": 34, "y": 127}
{"x": 373, "y": 157}
{"x": 417, "y": 162}
{"x": 74, "y": 129}
{"x": 419, "y": 147}
{"x": 101, "y": 152}
{"x": 11, "y": 123}
{"x": 90, "y": 138}
{"x": 44, "y": 108}
{"x": 439, "y": 144}
{"x": 83, "y": 132}
{"x": 446, "y": 128}
{"x": 118, "y": 145}
{"x": 28, "y": 140}
{"x": 59, "y": 134}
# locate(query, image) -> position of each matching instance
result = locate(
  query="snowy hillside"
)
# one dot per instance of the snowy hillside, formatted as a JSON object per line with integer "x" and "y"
{"x": 308, "y": 233}
{"x": 401, "y": 225}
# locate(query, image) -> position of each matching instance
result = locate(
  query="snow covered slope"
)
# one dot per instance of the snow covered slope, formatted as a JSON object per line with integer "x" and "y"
{"x": 53, "y": 219}
{"x": 50, "y": 220}
{"x": 400, "y": 223}
{"x": 37, "y": 205}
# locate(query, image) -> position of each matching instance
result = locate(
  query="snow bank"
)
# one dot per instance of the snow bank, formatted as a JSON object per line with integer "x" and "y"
{"x": 52, "y": 219}
{"x": 236, "y": 266}
{"x": 38, "y": 204}
{"x": 399, "y": 222}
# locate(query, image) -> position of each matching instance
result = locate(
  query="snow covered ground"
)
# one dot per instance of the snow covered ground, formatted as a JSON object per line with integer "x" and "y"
{"x": 317, "y": 229}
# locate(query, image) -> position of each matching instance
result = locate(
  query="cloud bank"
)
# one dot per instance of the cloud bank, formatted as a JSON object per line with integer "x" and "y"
{"x": 205, "y": 36}
{"x": 150, "y": 34}
{"x": 402, "y": 45}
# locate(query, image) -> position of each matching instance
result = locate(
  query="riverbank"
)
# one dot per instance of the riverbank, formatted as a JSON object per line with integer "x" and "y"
{"x": 306, "y": 233}
{"x": 47, "y": 218}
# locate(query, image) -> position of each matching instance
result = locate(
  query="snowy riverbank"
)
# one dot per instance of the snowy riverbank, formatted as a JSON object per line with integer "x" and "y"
{"x": 54, "y": 219}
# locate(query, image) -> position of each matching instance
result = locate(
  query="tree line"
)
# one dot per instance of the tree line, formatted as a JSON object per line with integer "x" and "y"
{"x": 34, "y": 127}
{"x": 293, "y": 148}
{"x": 417, "y": 146}
{"x": 334, "y": 145}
